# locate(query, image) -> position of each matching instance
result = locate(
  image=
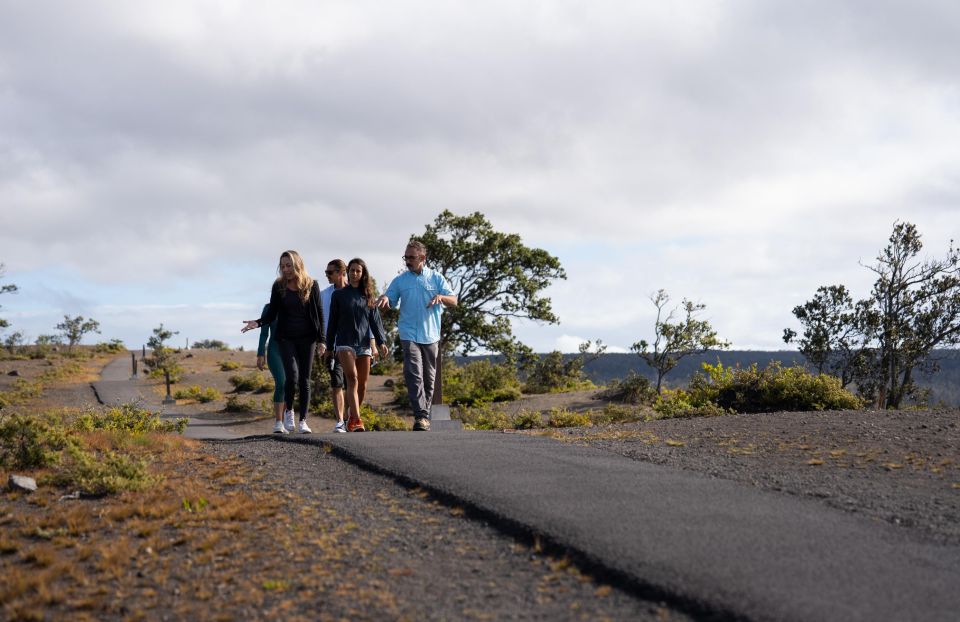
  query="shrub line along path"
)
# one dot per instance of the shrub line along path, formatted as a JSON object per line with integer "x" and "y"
{"x": 701, "y": 543}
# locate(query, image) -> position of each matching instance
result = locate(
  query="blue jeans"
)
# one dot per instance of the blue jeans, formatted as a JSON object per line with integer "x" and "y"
{"x": 357, "y": 350}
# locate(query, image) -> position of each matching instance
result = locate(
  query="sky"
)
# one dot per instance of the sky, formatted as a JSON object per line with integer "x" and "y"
{"x": 157, "y": 157}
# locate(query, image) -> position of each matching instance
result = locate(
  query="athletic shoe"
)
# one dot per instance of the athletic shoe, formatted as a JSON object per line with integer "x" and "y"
{"x": 304, "y": 428}
{"x": 340, "y": 427}
{"x": 355, "y": 424}
{"x": 421, "y": 424}
{"x": 279, "y": 429}
{"x": 288, "y": 420}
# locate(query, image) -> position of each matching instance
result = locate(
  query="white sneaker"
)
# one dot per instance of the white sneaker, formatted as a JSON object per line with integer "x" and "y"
{"x": 304, "y": 428}
{"x": 288, "y": 420}
{"x": 279, "y": 429}
{"x": 341, "y": 427}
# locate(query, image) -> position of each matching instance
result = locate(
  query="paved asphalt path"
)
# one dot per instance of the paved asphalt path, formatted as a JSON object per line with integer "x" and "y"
{"x": 706, "y": 545}
{"x": 712, "y": 544}
{"x": 117, "y": 387}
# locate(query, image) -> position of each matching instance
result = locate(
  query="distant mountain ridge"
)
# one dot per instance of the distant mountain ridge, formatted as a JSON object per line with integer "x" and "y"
{"x": 944, "y": 385}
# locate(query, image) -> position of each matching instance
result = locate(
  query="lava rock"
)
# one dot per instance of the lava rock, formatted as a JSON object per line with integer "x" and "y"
{"x": 22, "y": 482}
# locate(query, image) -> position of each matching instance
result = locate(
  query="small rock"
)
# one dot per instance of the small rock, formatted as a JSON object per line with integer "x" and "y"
{"x": 13, "y": 372}
{"x": 22, "y": 482}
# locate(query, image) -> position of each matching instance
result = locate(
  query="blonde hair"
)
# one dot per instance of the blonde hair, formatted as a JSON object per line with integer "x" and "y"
{"x": 301, "y": 278}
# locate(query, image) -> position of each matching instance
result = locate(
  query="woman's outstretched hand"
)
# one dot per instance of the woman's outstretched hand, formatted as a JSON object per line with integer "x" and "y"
{"x": 250, "y": 325}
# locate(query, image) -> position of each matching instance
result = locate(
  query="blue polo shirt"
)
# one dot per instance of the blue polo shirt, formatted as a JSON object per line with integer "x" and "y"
{"x": 413, "y": 293}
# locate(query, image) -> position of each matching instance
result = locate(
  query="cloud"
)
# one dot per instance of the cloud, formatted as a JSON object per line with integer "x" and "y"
{"x": 740, "y": 154}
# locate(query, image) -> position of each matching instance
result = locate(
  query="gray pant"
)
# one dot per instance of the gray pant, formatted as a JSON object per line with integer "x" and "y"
{"x": 419, "y": 372}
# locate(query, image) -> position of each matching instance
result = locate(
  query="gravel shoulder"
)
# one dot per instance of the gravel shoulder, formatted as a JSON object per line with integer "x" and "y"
{"x": 400, "y": 554}
{"x": 898, "y": 467}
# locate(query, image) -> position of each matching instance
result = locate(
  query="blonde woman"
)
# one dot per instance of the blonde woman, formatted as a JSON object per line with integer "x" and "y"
{"x": 295, "y": 304}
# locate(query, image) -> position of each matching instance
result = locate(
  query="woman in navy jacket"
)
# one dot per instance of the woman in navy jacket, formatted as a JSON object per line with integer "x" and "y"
{"x": 353, "y": 315}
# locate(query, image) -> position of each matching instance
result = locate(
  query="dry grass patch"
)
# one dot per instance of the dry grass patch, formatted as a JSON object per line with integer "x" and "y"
{"x": 63, "y": 555}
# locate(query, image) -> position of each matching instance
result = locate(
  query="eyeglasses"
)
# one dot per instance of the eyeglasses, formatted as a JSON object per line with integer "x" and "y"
{"x": 329, "y": 272}
{"x": 409, "y": 257}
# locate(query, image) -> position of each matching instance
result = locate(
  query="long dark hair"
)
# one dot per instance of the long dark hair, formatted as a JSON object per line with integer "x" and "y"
{"x": 366, "y": 283}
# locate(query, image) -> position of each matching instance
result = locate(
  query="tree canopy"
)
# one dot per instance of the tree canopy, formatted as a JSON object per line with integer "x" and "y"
{"x": 674, "y": 340}
{"x": 74, "y": 328}
{"x": 882, "y": 340}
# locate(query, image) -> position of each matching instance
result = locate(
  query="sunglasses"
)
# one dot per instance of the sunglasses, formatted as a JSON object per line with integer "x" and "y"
{"x": 329, "y": 272}
{"x": 409, "y": 257}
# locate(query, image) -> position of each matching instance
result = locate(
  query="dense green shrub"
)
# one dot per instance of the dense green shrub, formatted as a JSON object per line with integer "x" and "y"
{"x": 527, "y": 420}
{"x": 479, "y": 382}
{"x": 30, "y": 442}
{"x": 674, "y": 403}
{"x": 198, "y": 394}
{"x": 773, "y": 389}
{"x": 57, "y": 440}
{"x": 551, "y": 374}
{"x": 101, "y": 473}
{"x": 126, "y": 418}
{"x": 474, "y": 384}
{"x": 376, "y": 421}
{"x": 483, "y": 417}
{"x": 563, "y": 418}
{"x": 634, "y": 389}
{"x": 114, "y": 346}
{"x": 254, "y": 381}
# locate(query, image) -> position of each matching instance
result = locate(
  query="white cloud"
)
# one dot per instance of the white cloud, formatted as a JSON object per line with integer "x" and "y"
{"x": 740, "y": 154}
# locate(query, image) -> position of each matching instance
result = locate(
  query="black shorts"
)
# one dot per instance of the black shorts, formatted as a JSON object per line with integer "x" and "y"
{"x": 336, "y": 373}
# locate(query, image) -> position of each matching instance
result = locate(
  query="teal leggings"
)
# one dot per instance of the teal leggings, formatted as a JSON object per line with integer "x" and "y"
{"x": 275, "y": 363}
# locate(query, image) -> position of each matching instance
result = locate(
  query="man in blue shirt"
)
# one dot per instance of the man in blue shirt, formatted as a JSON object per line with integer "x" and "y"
{"x": 421, "y": 293}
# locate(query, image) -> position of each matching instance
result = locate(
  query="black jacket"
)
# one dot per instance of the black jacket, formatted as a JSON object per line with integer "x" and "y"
{"x": 314, "y": 310}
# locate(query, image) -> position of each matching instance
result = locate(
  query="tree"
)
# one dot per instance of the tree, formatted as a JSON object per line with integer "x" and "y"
{"x": 917, "y": 309}
{"x": 554, "y": 373}
{"x": 913, "y": 308}
{"x": 13, "y": 341}
{"x": 9, "y": 288}
{"x": 675, "y": 340}
{"x": 496, "y": 279}
{"x": 162, "y": 361}
{"x": 74, "y": 328}
{"x": 835, "y": 336}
